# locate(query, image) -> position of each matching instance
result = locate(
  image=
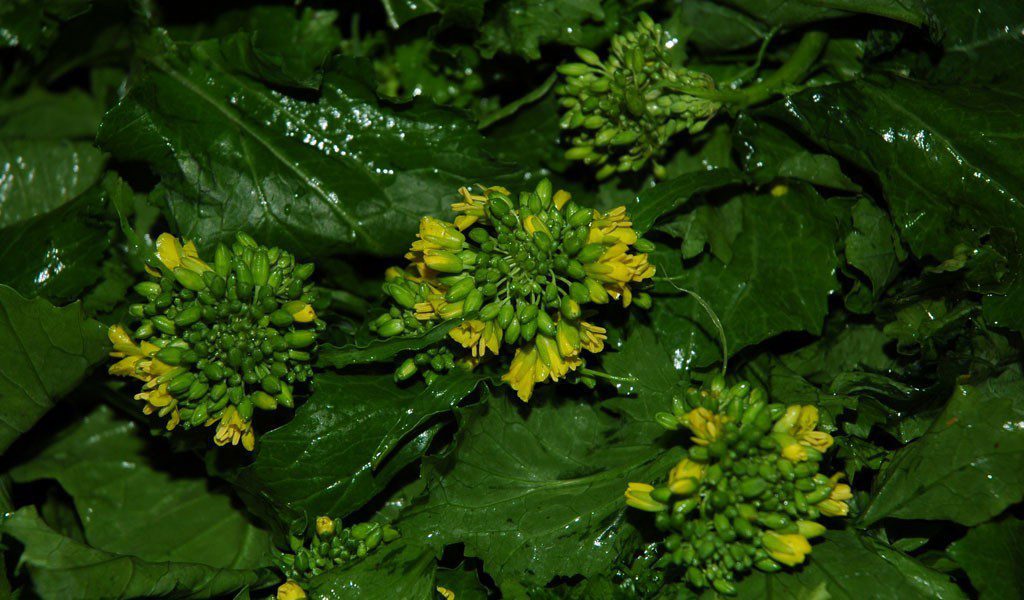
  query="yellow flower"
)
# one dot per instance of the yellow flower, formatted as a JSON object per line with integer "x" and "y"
{"x": 532, "y": 224}
{"x": 446, "y": 593}
{"x": 436, "y": 234}
{"x": 794, "y": 451}
{"x": 685, "y": 476}
{"x": 789, "y": 549}
{"x": 233, "y": 429}
{"x": 432, "y": 308}
{"x": 592, "y": 337}
{"x": 472, "y": 205}
{"x": 324, "y": 526}
{"x": 835, "y": 505}
{"x": 638, "y": 495}
{"x": 159, "y": 400}
{"x": 616, "y": 269}
{"x": 799, "y": 422}
{"x": 613, "y": 227}
{"x": 705, "y": 425}
{"x": 535, "y": 363}
{"x": 300, "y": 311}
{"x": 560, "y": 198}
{"x": 173, "y": 254}
{"x": 478, "y": 335}
{"x": 290, "y": 590}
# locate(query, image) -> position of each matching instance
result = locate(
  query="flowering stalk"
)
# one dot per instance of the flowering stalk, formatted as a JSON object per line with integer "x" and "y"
{"x": 749, "y": 492}
{"x": 519, "y": 274}
{"x": 214, "y": 343}
{"x": 622, "y": 111}
{"x": 330, "y": 545}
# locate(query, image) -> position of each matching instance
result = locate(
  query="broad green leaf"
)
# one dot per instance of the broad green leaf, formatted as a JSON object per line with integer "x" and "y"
{"x": 60, "y": 253}
{"x": 966, "y": 468}
{"x": 344, "y": 444}
{"x": 982, "y": 39}
{"x": 714, "y": 27}
{"x": 39, "y": 114}
{"x": 768, "y": 153}
{"x": 850, "y": 566}
{"x": 667, "y": 196}
{"x": 136, "y": 503}
{"x": 398, "y": 570}
{"x": 45, "y": 352}
{"x": 706, "y": 226}
{"x": 526, "y": 488}
{"x": 948, "y": 156}
{"x": 280, "y": 44}
{"x": 464, "y": 582}
{"x": 991, "y": 554}
{"x": 796, "y": 12}
{"x": 522, "y": 26}
{"x": 37, "y": 176}
{"x": 873, "y": 247}
{"x": 779, "y": 279}
{"x": 64, "y": 569}
{"x": 382, "y": 350}
{"x": 344, "y": 173}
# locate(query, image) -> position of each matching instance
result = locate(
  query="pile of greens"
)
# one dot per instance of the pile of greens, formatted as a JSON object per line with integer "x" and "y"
{"x": 512, "y": 298}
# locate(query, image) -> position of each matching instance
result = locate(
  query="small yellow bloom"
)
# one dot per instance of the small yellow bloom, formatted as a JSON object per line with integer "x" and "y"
{"x": 435, "y": 234}
{"x": 613, "y": 227}
{"x": 560, "y": 198}
{"x": 799, "y": 422}
{"x": 447, "y": 593}
{"x": 290, "y": 590}
{"x": 301, "y": 311}
{"x": 472, "y": 205}
{"x": 568, "y": 338}
{"x": 794, "y": 452}
{"x": 685, "y": 476}
{"x": 171, "y": 252}
{"x": 535, "y": 363}
{"x": 835, "y": 505}
{"x": 789, "y": 549}
{"x": 638, "y": 495}
{"x": 705, "y": 425}
{"x": 533, "y": 224}
{"x": 479, "y": 336}
{"x": 233, "y": 429}
{"x": 324, "y": 526}
{"x": 592, "y": 337}
{"x": 616, "y": 269}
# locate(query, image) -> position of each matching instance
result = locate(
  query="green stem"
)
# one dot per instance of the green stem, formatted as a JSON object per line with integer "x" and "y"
{"x": 790, "y": 73}
{"x": 608, "y": 376}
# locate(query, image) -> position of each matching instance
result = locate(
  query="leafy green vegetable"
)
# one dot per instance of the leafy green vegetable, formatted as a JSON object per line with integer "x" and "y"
{"x": 990, "y": 554}
{"x": 135, "y": 505}
{"x": 45, "y": 352}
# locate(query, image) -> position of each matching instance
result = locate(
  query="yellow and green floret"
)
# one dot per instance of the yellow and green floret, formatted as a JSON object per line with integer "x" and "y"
{"x": 212, "y": 343}
{"x": 520, "y": 273}
{"x": 749, "y": 493}
{"x": 621, "y": 112}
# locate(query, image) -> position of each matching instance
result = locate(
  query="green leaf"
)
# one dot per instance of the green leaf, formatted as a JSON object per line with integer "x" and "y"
{"x": 382, "y": 349}
{"x": 345, "y": 173}
{"x": 991, "y": 554}
{"x": 398, "y": 570}
{"x": 982, "y": 40}
{"x": 344, "y": 444}
{"x": 947, "y": 156}
{"x": 135, "y": 503}
{"x": 64, "y": 569}
{"x": 873, "y": 247}
{"x": 796, "y": 12}
{"x": 522, "y": 26}
{"x": 651, "y": 204}
{"x": 847, "y": 565}
{"x": 779, "y": 279}
{"x": 966, "y": 468}
{"x": 58, "y": 254}
{"x": 45, "y": 352}
{"x": 279, "y": 44}
{"x": 40, "y": 175}
{"x": 526, "y": 490}
{"x": 768, "y": 153}
{"x": 39, "y": 114}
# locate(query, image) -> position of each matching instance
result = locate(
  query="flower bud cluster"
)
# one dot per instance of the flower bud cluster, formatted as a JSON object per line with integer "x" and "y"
{"x": 519, "y": 273}
{"x": 214, "y": 343}
{"x": 749, "y": 492}
{"x": 622, "y": 111}
{"x": 331, "y": 545}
